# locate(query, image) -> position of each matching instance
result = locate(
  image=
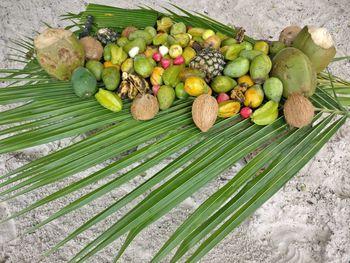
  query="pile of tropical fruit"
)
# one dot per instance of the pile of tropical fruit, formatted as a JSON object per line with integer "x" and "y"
{"x": 227, "y": 75}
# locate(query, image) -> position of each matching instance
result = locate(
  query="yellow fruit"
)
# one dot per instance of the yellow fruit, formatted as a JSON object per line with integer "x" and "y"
{"x": 254, "y": 96}
{"x": 156, "y": 77}
{"x": 245, "y": 81}
{"x": 109, "y": 64}
{"x": 196, "y": 86}
{"x": 262, "y": 46}
{"x": 210, "y": 91}
{"x": 228, "y": 108}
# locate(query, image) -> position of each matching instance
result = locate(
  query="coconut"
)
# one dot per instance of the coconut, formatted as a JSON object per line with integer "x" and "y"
{"x": 59, "y": 52}
{"x": 317, "y": 44}
{"x": 204, "y": 112}
{"x": 288, "y": 34}
{"x": 92, "y": 47}
{"x": 298, "y": 111}
{"x": 296, "y": 72}
{"x": 144, "y": 107}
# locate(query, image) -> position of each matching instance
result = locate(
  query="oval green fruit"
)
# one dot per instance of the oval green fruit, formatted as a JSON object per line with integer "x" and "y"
{"x": 260, "y": 68}
{"x": 141, "y": 34}
{"x": 180, "y": 91}
{"x": 95, "y": 67}
{"x": 247, "y": 45}
{"x": 233, "y": 51}
{"x": 143, "y": 66}
{"x": 250, "y": 54}
{"x": 166, "y": 97}
{"x": 84, "y": 82}
{"x": 273, "y": 89}
{"x": 237, "y": 67}
{"x": 223, "y": 84}
{"x": 296, "y": 72}
{"x": 111, "y": 78}
{"x": 138, "y": 42}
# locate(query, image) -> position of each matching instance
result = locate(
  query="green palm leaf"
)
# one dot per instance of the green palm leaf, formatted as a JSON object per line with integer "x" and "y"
{"x": 49, "y": 111}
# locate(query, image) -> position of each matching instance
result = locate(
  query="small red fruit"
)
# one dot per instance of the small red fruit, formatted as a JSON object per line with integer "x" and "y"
{"x": 222, "y": 97}
{"x": 155, "y": 89}
{"x": 179, "y": 60}
{"x": 246, "y": 112}
{"x": 157, "y": 56}
{"x": 165, "y": 62}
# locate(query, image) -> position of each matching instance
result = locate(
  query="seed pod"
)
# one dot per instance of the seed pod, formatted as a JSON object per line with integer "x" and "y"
{"x": 204, "y": 112}
{"x": 298, "y": 111}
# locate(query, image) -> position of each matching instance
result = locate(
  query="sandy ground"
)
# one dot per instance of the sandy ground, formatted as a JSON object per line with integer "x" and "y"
{"x": 307, "y": 221}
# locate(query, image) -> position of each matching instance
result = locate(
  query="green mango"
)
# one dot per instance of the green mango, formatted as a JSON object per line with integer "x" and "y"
{"x": 107, "y": 52}
{"x": 247, "y": 45}
{"x": 180, "y": 91}
{"x": 273, "y": 89}
{"x": 95, "y": 67}
{"x": 266, "y": 114}
{"x": 223, "y": 84}
{"x": 171, "y": 75}
{"x": 237, "y": 67}
{"x": 260, "y": 68}
{"x": 111, "y": 78}
{"x": 141, "y": 34}
{"x": 143, "y": 66}
{"x": 250, "y": 54}
{"x": 84, "y": 82}
{"x": 228, "y": 42}
{"x": 233, "y": 51}
{"x": 166, "y": 97}
{"x": 138, "y": 42}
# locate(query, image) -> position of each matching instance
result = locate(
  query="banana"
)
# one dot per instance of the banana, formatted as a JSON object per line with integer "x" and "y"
{"x": 132, "y": 85}
{"x": 238, "y": 93}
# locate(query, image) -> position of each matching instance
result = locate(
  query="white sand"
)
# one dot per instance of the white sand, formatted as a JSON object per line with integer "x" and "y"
{"x": 307, "y": 221}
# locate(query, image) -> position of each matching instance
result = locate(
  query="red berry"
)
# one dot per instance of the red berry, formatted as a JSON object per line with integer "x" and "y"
{"x": 246, "y": 112}
{"x": 222, "y": 97}
{"x": 165, "y": 63}
{"x": 179, "y": 60}
{"x": 157, "y": 56}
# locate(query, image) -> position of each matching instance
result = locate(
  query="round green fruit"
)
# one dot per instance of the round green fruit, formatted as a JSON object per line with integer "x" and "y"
{"x": 180, "y": 91}
{"x": 273, "y": 89}
{"x": 95, "y": 67}
{"x": 237, "y": 68}
{"x": 111, "y": 78}
{"x": 223, "y": 84}
{"x": 84, "y": 82}
{"x": 166, "y": 97}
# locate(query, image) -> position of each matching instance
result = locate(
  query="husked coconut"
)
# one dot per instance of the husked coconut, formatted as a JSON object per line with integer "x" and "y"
{"x": 93, "y": 48}
{"x": 204, "y": 112}
{"x": 144, "y": 107}
{"x": 298, "y": 111}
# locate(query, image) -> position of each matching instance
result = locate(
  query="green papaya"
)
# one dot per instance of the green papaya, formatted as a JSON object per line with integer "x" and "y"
{"x": 223, "y": 84}
{"x": 166, "y": 97}
{"x": 143, "y": 66}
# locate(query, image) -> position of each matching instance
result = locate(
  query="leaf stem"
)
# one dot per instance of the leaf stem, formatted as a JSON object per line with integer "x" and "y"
{"x": 331, "y": 111}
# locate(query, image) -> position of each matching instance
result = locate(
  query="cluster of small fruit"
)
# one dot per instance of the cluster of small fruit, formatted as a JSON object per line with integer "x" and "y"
{"x": 175, "y": 61}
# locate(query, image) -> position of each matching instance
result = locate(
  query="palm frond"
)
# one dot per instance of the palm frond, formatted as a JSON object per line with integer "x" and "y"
{"x": 49, "y": 111}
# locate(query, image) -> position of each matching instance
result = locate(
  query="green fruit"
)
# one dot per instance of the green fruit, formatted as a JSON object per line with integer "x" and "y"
{"x": 222, "y": 36}
{"x": 118, "y": 55}
{"x": 250, "y": 54}
{"x": 128, "y": 66}
{"x": 273, "y": 89}
{"x": 260, "y": 68}
{"x": 196, "y": 31}
{"x": 188, "y": 54}
{"x": 84, "y": 82}
{"x": 143, "y": 66}
{"x": 228, "y": 42}
{"x": 223, "y": 84}
{"x": 233, "y": 51}
{"x": 141, "y": 34}
{"x": 95, "y": 67}
{"x": 276, "y": 46}
{"x": 151, "y": 30}
{"x": 296, "y": 72}
{"x": 178, "y": 28}
{"x": 188, "y": 72}
{"x": 237, "y": 68}
{"x": 160, "y": 39}
{"x": 138, "y": 42}
{"x": 166, "y": 97}
{"x": 183, "y": 39}
{"x": 180, "y": 91}
{"x": 122, "y": 41}
{"x": 247, "y": 45}
{"x": 107, "y": 52}
{"x": 171, "y": 75}
{"x": 266, "y": 114}
{"x": 111, "y": 78}
{"x": 109, "y": 100}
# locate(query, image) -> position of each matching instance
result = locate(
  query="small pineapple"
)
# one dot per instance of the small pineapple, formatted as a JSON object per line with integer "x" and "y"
{"x": 107, "y": 35}
{"x": 210, "y": 61}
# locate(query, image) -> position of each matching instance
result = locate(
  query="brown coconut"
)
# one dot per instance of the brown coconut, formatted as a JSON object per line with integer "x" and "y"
{"x": 298, "y": 111}
{"x": 288, "y": 34}
{"x": 144, "y": 107}
{"x": 204, "y": 112}
{"x": 92, "y": 47}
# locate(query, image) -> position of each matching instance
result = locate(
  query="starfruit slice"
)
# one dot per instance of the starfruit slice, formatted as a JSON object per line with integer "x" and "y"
{"x": 266, "y": 114}
{"x": 109, "y": 100}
